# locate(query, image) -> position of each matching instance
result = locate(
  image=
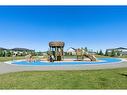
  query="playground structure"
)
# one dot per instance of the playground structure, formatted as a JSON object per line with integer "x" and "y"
{"x": 81, "y": 54}
{"x": 56, "y": 50}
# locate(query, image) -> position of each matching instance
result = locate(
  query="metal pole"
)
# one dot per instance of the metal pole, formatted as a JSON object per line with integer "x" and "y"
{"x": 56, "y": 53}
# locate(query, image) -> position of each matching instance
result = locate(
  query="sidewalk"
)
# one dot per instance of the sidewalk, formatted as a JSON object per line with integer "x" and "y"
{"x": 7, "y": 68}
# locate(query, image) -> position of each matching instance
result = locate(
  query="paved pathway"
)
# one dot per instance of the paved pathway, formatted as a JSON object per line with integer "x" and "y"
{"x": 7, "y": 68}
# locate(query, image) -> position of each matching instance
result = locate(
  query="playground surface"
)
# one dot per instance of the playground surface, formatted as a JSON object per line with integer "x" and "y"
{"x": 7, "y": 68}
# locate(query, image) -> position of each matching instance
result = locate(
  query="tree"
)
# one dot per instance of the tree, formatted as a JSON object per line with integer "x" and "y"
{"x": 100, "y": 52}
{"x": 106, "y": 53}
{"x": 65, "y": 53}
{"x": 4, "y": 54}
{"x": 24, "y": 53}
{"x": 97, "y": 53}
{"x": 9, "y": 53}
{"x": 113, "y": 53}
{"x": 86, "y": 49}
{"x": 70, "y": 53}
{"x": 1, "y": 53}
{"x": 118, "y": 53}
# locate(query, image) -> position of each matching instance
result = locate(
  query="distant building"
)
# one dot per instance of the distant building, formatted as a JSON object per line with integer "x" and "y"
{"x": 71, "y": 51}
{"x": 121, "y": 50}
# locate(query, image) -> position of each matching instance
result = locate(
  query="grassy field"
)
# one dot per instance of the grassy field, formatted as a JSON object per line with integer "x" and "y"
{"x": 2, "y": 59}
{"x": 94, "y": 79}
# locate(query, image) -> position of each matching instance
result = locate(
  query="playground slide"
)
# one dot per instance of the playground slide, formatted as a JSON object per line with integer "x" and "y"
{"x": 90, "y": 56}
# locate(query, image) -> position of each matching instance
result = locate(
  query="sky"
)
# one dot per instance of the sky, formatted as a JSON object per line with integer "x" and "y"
{"x": 33, "y": 27}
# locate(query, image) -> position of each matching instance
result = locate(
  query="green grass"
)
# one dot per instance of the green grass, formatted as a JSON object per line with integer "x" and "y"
{"x": 3, "y": 59}
{"x": 102, "y": 56}
{"x": 94, "y": 79}
{"x": 70, "y": 57}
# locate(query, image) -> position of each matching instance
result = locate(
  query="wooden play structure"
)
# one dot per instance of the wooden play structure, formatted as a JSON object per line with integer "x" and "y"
{"x": 81, "y": 54}
{"x": 56, "y": 50}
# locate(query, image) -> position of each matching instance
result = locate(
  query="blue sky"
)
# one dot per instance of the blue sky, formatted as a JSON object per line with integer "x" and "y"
{"x": 95, "y": 27}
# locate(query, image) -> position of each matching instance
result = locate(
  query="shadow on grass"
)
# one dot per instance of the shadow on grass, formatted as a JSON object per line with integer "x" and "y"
{"x": 122, "y": 74}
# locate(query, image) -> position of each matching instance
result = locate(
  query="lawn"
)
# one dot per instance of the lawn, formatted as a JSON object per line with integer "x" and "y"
{"x": 94, "y": 79}
{"x": 3, "y": 59}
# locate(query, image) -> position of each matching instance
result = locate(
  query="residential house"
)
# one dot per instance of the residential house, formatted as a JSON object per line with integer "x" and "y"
{"x": 121, "y": 50}
{"x": 71, "y": 51}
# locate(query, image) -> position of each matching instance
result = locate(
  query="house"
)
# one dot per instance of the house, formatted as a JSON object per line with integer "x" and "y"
{"x": 121, "y": 50}
{"x": 71, "y": 51}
